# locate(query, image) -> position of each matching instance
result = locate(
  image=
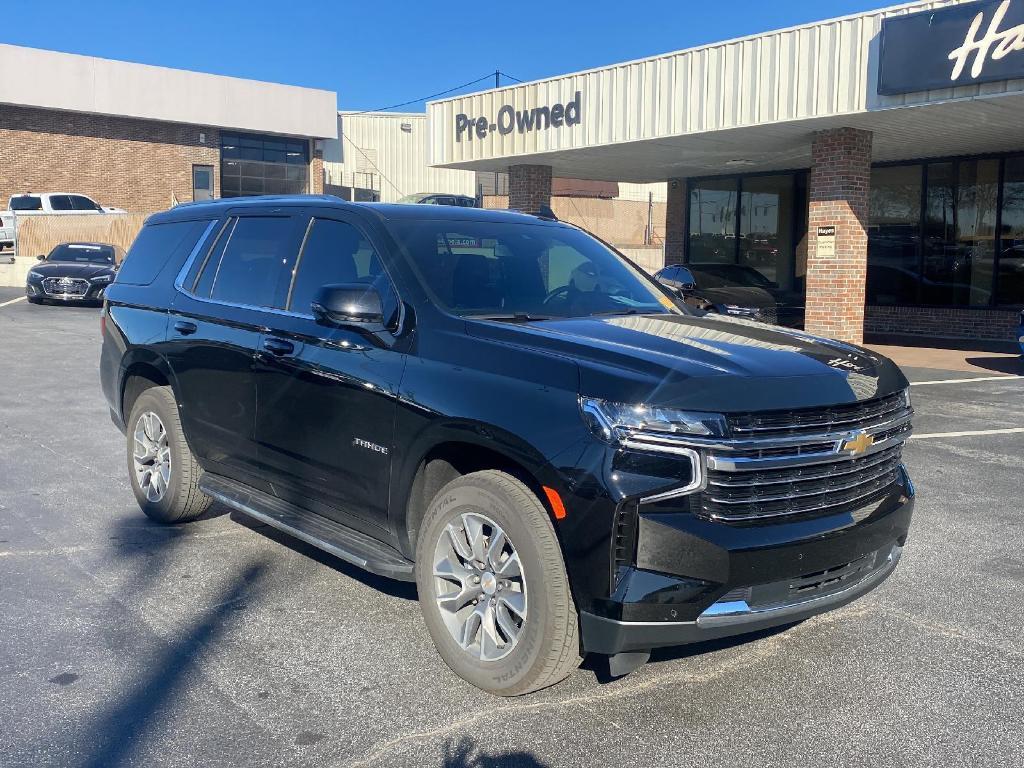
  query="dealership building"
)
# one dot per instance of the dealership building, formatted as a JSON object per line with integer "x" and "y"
{"x": 874, "y": 162}
{"x": 141, "y": 137}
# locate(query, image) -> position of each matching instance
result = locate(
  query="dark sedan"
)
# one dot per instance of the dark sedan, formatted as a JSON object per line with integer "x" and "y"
{"x": 73, "y": 272}
{"x": 734, "y": 289}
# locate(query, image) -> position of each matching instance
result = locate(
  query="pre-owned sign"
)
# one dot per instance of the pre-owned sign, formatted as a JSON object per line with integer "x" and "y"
{"x": 957, "y": 45}
{"x": 510, "y": 119}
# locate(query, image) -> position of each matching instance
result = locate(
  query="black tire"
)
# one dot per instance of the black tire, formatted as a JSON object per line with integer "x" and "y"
{"x": 182, "y": 500}
{"x": 548, "y": 650}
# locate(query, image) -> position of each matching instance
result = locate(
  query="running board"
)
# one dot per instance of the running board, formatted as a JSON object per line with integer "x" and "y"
{"x": 342, "y": 542}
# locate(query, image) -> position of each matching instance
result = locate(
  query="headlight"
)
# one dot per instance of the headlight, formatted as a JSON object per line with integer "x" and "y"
{"x": 101, "y": 279}
{"x": 906, "y": 397}
{"x": 36, "y": 275}
{"x": 615, "y": 421}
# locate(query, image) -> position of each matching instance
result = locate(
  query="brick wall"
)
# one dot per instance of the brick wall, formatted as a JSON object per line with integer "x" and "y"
{"x": 943, "y": 322}
{"x": 529, "y": 187}
{"x": 677, "y": 209}
{"x": 132, "y": 164}
{"x": 839, "y": 184}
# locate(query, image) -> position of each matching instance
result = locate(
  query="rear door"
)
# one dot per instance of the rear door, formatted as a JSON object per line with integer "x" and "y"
{"x": 327, "y": 396}
{"x": 225, "y": 299}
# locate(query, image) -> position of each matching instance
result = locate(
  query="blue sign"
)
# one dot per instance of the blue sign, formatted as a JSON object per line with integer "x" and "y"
{"x": 958, "y": 45}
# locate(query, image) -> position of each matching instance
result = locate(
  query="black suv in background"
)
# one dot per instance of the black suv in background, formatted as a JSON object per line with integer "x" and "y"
{"x": 563, "y": 464}
{"x": 734, "y": 289}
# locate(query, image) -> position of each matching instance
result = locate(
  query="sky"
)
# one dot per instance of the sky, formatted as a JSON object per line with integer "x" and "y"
{"x": 379, "y": 53}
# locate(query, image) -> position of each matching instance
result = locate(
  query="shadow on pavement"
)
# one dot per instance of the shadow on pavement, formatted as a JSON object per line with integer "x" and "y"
{"x": 404, "y": 590}
{"x": 598, "y": 663}
{"x": 465, "y": 754}
{"x": 1011, "y": 365}
{"x": 117, "y": 731}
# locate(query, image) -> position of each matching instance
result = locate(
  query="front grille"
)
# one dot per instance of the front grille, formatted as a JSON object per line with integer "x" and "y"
{"x": 834, "y": 419}
{"x": 826, "y": 488}
{"x": 67, "y": 286}
{"x": 806, "y": 462}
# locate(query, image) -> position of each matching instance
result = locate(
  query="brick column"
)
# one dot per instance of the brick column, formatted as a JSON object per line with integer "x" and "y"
{"x": 677, "y": 211}
{"x": 316, "y": 169}
{"x": 839, "y": 184}
{"x": 529, "y": 187}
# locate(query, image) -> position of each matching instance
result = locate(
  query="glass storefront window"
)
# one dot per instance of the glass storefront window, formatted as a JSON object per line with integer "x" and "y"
{"x": 960, "y": 227}
{"x": 894, "y": 235}
{"x": 1010, "y": 285}
{"x": 766, "y": 227}
{"x": 263, "y": 165}
{"x": 713, "y": 221}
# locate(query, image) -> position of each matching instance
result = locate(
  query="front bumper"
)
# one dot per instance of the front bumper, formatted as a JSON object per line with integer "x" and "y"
{"x": 695, "y": 580}
{"x": 726, "y": 618}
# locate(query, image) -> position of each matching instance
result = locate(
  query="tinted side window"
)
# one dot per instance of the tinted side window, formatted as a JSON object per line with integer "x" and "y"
{"x": 82, "y": 203}
{"x": 336, "y": 252}
{"x": 26, "y": 203}
{"x": 158, "y": 246}
{"x": 254, "y": 257}
{"x": 60, "y": 202}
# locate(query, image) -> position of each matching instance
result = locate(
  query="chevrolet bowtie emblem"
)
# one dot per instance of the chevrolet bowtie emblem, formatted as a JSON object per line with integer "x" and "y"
{"x": 858, "y": 443}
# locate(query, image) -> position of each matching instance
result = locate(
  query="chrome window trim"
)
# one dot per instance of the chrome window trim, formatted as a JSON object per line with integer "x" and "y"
{"x": 180, "y": 279}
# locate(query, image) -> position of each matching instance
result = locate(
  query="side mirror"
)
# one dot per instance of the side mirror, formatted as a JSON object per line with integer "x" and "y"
{"x": 41, "y": 257}
{"x": 349, "y": 304}
{"x": 686, "y": 280}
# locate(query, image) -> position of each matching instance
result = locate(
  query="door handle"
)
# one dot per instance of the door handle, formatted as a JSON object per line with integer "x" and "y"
{"x": 185, "y": 328}
{"x": 278, "y": 347}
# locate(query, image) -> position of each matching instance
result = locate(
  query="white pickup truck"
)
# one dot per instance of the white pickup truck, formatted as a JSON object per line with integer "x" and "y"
{"x": 38, "y": 203}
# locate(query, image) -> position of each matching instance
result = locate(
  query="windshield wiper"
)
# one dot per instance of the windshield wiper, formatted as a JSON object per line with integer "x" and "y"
{"x": 510, "y": 317}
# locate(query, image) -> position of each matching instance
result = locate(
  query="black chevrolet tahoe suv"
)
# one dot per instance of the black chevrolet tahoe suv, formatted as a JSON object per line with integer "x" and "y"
{"x": 508, "y": 412}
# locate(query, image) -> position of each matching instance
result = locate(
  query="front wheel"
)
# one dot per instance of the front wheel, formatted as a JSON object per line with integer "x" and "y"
{"x": 493, "y": 587}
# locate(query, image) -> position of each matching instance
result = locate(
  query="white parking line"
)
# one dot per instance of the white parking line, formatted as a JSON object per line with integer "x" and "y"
{"x": 12, "y": 301}
{"x": 1008, "y": 377}
{"x": 1008, "y": 431}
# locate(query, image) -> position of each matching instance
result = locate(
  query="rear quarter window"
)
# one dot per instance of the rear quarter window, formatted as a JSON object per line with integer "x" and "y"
{"x": 160, "y": 246}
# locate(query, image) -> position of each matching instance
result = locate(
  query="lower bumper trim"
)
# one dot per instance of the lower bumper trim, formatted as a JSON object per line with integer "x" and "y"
{"x": 736, "y": 617}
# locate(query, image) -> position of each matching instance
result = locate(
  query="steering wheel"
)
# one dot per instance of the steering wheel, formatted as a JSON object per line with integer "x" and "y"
{"x": 560, "y": 290}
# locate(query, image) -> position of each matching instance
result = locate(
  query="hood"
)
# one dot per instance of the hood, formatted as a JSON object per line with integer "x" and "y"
{"x": 71, "y": 269}
{"x": 712, "y": 363}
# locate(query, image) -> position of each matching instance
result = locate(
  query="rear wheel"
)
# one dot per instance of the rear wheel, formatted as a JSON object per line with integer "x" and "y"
{"x": 493, "y": 587}
{"x": 164, "y": 473}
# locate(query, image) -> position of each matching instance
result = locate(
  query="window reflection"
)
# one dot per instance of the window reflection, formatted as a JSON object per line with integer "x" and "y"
{"x": 713, "y": 221}
{"x": 1011, "y": 258}
{"x": 894, "y": 235}
{"x": 766, "y": 227}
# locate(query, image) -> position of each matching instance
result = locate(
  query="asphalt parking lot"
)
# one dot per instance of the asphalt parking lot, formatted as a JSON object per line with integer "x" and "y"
{"x": 225, "y": 643}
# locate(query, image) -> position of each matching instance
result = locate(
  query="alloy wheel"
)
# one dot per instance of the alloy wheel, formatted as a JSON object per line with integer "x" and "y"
{"x": 152, "y": 456}
{"x": 480, "y": 587}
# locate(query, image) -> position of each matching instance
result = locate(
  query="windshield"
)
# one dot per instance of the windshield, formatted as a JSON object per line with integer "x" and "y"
{"x": 524, "y": 271}
{"x": 726, "y": 275}
{"x": 25, "y": 203}
{"x": 85, "y": 254}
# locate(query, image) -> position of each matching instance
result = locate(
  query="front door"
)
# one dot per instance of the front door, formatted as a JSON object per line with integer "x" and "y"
{"x": 202, "y": 182}
{"x": 327, "y": 396}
